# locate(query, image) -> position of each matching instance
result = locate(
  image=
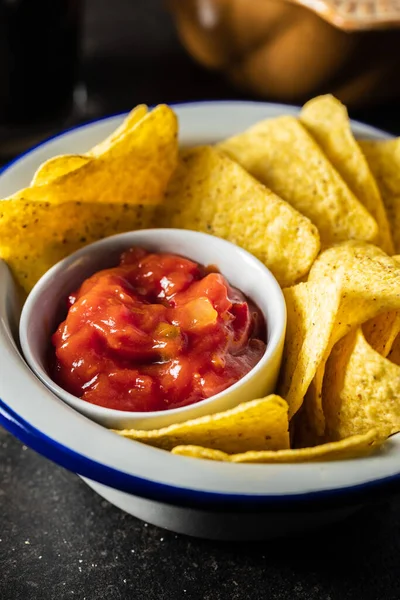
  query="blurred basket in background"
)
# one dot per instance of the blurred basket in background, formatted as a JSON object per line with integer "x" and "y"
{"x": 292, "y": 50}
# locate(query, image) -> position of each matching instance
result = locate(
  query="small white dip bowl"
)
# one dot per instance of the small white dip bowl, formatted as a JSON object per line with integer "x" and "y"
{"x": 45, "y": 308}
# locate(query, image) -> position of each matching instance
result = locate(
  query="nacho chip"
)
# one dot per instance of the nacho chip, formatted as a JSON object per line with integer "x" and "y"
{"x": 135, "y": 169}
{"x": 58, "y": 166}
{"x": 384, "y": 161}
{"x": 326, "y": 119}
{"x": 394, "y": 354}
{"x": 259, "y": 425}
{"x": 353, "y": 447}
{"x": 369, "y": 281}
{"x": 211, "y": 193}
{"x": 381, "y": 332}
{"x": 346, "y": 288}
{"x": 311, "y": 314}
{"x": 394, "y": 351}
{"x": 131, "y": 120}
{"x": 36, "y": 235}
{"x": 367, "y": 271}
{"x": 361, "y": 390}
{"x": 201, "y": 452}
{"x": 61, "y": 165}
{"x": 283, "y": 156}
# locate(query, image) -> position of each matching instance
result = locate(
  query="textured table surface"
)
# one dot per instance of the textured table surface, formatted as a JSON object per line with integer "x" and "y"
{"x": 58, "y": 539}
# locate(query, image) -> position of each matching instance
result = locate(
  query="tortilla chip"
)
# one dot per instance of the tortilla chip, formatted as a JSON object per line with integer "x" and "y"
{"x": 353, "y": 447}
{"x": 36, "y": 235}
{"x": 135, "y": 169}
{"x": 394, "y": 354}
{"x": 61, "y": 165}
{"x": 311, "y": 313}
{"x": 369, "y": 281}
{"x": 367, "y": 271}
{"x": 381, "y": 332}
{"x": 201, "y": 452}
{"x": 211, "y": 193}
{"x": 326, "y": 119}
{"x": 283, "y": 156}
{"x": 384, "y": 161}
{"x": 258, "y": 425}
{"x": 361, "y": 390}
{"x": 57, "y": 167}
{"x": 133, "y": 118}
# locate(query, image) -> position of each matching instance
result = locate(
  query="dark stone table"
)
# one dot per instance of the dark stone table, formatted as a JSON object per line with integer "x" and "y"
{"x": 58, "y": 540}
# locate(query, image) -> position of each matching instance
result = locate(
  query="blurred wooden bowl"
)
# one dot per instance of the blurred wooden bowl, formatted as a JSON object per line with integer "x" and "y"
{"x": 292, "y": 50}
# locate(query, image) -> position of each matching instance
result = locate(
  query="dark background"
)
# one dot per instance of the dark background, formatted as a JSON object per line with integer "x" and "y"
{"x": 132, "y": 54}
{"x": 58, "y": 540}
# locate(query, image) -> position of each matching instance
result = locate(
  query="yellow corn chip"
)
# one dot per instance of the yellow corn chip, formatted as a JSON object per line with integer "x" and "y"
{"x": 135, "y": 169}
{"x": 381, "y": 332}
{"x": 36, "y": 235}
{"x": 384, "y": 161}
{"x": 361, "y": 390}
{"x": 259, "y": 425}
{"x": 134, "y": 117}
{"x": 61, "y": 165}
{"x": 305, "y": 425}
{"x": 326, "y": 119}
{"x": 394, "y": 354}
{"x": 283, "y": 156}
{"x": 201, "y": 452}
{"x": 311, "y": 313}
{"x": 58, "y": 166}
{"x": 211, "y": 193}
{"x": 369, "y": 282}
{"x": 353, "y": 447}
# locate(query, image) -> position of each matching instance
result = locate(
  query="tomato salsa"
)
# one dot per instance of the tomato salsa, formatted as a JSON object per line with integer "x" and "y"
{"x": 156, "y": 332}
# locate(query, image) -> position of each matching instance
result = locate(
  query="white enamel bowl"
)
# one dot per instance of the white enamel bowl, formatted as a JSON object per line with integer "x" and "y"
{"x": 45, "y": 306}
{"x": 197, "y": 497}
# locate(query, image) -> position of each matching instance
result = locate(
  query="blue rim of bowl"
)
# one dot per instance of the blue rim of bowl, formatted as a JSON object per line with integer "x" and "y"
{"x": 178, "y": 496}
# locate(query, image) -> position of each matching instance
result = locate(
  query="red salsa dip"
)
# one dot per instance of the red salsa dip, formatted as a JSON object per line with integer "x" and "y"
{"x": 156, "y": 332}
